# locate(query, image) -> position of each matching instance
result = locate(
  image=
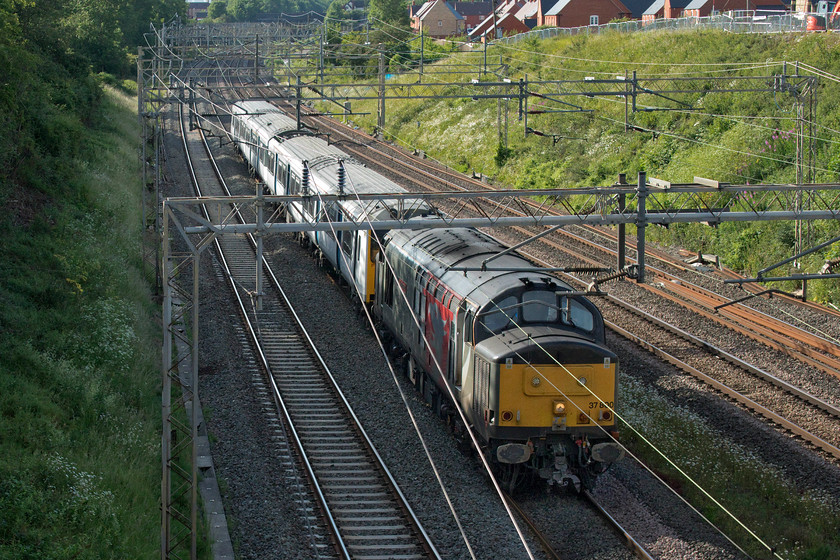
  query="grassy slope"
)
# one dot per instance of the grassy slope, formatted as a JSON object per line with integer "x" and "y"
{"x": 79, "y": 360}
{"x": 463, "y": 133}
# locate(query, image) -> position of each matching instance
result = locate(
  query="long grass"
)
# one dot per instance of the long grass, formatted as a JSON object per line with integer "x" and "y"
{"x": 750, "y": 493}
{"x": 79, "y": 359}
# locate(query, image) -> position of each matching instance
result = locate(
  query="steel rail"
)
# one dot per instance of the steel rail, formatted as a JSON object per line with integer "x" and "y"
{"x": 432, "y": 552}
{"x": 544, "y": 542}
{"x": 737, "y": 396}
{"x": 796, "y": 343}
{"x": 635, "y": 547}
{"x": 768, "y": 336}
{"x": 340, "y": 546}
{"x": 638, "y": 550}
{"x": 324, "y": 498}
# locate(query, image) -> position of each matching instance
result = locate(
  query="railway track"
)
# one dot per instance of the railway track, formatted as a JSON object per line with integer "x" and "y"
{"x": 361, "y": 507}
{"x": 815, "y": 420}
{"x": 620, "y": 531}
{"x": 634, "y": 546}
{"x": 611, "y": 522}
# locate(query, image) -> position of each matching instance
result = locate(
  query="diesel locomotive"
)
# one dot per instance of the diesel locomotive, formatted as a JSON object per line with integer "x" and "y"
{"x": 521, "y": 353}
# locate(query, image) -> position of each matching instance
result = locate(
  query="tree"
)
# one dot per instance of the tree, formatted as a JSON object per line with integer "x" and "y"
{"x": 336, "y": 16}
{"x": 94, "y": 26}
{"x": 217, "y": 9}
{"x": 393, "y": 12}
{"x": 244, "y": 10}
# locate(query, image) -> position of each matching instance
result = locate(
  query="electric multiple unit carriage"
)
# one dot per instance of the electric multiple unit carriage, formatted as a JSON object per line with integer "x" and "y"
{"x": 526, "y": 359}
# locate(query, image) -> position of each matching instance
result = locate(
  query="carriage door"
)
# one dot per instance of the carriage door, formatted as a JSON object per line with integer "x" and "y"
{"x": 464, "y": 352}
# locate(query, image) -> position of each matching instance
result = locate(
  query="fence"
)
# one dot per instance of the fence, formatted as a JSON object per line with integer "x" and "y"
{"x": 734, "y": 22}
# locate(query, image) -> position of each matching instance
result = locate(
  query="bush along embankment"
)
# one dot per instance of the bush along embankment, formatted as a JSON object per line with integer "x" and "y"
{"x": 79, "y": 342}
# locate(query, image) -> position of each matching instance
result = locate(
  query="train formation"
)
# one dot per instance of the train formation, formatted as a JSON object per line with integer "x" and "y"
{"x": 513, "y": 347}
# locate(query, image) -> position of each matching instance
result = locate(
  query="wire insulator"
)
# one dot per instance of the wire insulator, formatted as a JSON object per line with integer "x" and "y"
{"x": 630, "y": 271}
{"x": 304, "y": 179}
{"x": 341, "y": 176}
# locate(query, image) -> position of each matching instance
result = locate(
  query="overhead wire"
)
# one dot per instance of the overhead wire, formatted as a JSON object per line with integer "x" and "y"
{"x": 652, "y": 131}
{"x": 644, "y": 438}
{"x": 446, "y": 383}
{"x": 358, "y": 294}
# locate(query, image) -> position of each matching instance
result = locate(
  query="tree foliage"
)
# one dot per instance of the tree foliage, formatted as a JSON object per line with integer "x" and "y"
{"x": 217, "y": 9}
{"x": 244, "y": 10}
{"x": 249, "y": 10}
{"x": 392, "y": 12}
{"x": 336, "y": 17}
{"x": 50, "y": 55}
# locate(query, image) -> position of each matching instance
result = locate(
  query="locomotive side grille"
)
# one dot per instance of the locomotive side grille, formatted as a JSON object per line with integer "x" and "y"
{"x": 481, "y": 387}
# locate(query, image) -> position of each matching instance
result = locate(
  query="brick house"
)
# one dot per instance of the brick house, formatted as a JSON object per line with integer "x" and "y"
{"x": 508, "y": 20}
{"x": 703, "y": 8}
{"x": 528, "y": 13}
{"x": 637, "y": 7}
{"x": 654, "y": 11}
{"x": 473, "y": 12}
{"x": 438, "y": 19}
{"x": 579, "y": 13}
{"x": 674, "y": 8}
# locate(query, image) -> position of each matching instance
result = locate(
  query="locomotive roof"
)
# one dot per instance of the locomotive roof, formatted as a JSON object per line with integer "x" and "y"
{"x": 439, "y": 250}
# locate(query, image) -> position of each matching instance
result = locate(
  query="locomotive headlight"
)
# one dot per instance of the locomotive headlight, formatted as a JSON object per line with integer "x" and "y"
{"x": 559, "y": 408}
{"x": 535, "y": 381}
{"x": 582, "y": 381}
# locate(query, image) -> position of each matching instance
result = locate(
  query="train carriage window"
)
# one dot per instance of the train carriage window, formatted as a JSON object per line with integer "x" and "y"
{"x": 282, "y": 172}
{"x": 575, "y": 314}
{"x": 263, "y": 154}
{"x": 348, "y": 242}
{"x": 539, "y": 307}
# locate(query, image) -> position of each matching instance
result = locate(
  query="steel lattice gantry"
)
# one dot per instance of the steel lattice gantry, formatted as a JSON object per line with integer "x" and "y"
{"x": 649, "y": 202}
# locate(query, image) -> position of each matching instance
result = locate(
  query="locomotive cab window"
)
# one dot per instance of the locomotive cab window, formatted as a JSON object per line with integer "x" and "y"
{"x": 505, "y": 312}
{"x": 539, "y": 307}
{"x": 576, "y": 315}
